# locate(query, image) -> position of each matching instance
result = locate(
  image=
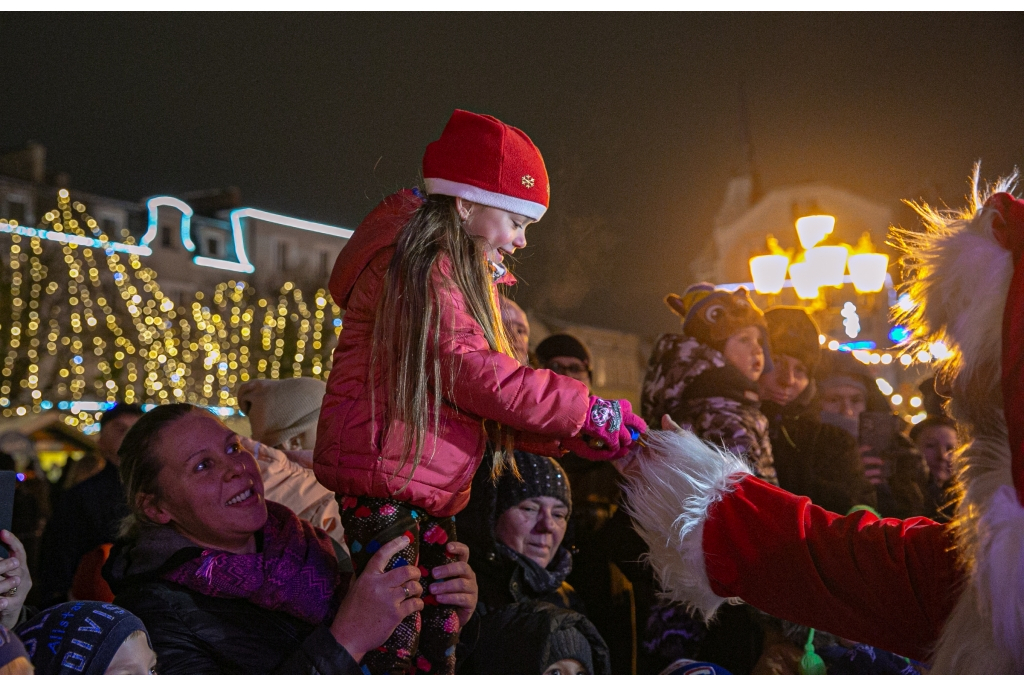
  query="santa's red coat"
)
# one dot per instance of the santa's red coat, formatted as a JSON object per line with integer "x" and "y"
{"x": 886, "y": 582}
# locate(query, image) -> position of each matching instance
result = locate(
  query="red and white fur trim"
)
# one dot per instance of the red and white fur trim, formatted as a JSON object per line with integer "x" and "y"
{"x": 670, "y": 489}
{"x": 516, "y": 205}
{"x": 961, "y": 276}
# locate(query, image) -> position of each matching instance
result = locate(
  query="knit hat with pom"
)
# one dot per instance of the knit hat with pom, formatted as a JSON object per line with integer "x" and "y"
{"x": 711, "y": 315}
{"x": 481, "y": 159}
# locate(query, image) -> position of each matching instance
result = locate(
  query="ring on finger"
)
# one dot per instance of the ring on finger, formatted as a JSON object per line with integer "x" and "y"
{"x": 405, "y": 589}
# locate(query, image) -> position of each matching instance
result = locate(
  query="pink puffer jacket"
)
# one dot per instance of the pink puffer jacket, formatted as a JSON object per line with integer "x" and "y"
{"x": 355, "y": 456}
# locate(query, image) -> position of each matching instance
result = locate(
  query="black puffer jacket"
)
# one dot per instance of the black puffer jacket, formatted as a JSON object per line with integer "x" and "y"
{"x": 816, "y": 459}
{"x": 196, "y": 634}
{"x": 516, "y": 640}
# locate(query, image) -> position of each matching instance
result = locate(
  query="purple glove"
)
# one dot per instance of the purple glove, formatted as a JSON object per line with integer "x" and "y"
{"x": 610, "y": 429}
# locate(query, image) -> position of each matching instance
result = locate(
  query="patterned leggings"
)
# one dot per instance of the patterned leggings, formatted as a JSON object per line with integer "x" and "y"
{"x": 425, "y": 641}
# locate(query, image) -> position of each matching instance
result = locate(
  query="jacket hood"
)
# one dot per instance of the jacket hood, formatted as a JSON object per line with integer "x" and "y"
{"x": 157, "y": 550}
{"x": 681, "y": 369}
{"x": 377, "y": 231}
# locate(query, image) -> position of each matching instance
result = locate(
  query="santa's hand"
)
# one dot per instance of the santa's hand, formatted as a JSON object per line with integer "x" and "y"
{"x": 667, "y": 424}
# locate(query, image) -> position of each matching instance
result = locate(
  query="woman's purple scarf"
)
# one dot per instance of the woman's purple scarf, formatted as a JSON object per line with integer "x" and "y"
{"x": 297, "y": 571}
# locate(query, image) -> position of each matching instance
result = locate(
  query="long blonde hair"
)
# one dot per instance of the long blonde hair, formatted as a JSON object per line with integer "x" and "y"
{"x": 408, "y": 324}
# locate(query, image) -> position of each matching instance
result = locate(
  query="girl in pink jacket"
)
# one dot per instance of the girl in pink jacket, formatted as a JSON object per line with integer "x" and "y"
{"x": 423, "y": 374}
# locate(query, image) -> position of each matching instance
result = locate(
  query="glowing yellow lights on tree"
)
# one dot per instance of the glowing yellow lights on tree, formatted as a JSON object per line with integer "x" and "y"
{"x": 813, "y": 229}
{"x": 72, "y": 330}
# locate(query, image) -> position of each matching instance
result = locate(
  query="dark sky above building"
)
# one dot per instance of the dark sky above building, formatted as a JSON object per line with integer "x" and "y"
{"x": 319, "y": 116}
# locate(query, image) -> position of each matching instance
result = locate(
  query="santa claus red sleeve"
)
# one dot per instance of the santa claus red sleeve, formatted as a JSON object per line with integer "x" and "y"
{"x": 716, "y": 532}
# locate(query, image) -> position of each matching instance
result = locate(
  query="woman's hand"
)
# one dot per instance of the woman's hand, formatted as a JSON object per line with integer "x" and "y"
{"x": 460, "y": 589}
{"x": 377, "y": 601}
{"x": 14, "y": 576}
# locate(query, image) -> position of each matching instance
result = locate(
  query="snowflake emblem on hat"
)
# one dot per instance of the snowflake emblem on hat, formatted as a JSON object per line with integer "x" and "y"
{"x": 528, "y": 181}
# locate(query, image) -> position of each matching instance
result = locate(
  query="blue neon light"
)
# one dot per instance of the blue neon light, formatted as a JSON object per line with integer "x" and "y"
{"x": 243, "y": 265}
{"x": 859, "y": 345}
{"x": 898, "y": 334}
{"x": 153, "y": 204}
{"x": 73, "y": 239}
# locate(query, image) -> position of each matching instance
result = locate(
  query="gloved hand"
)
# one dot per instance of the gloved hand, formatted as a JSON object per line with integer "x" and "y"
{"x": 609, "y": 431}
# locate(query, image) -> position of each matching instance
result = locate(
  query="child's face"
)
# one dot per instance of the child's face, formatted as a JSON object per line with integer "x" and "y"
{"x": 565, "y": 667}
{"x": 503, "y": 232}
{"x": 133, "y": 657}
{"x": 743, "y": 350}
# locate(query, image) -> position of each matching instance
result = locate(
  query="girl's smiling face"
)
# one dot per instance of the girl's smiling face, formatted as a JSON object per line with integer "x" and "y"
{"x": 503, "y": 232}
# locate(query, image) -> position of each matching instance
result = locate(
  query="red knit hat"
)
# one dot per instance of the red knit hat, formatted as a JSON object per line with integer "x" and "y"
{"x": 480, "y": 159}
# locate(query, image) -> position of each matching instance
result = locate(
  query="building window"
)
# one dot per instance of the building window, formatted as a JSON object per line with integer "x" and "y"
{"x": 165, "y": 236}
{"x": 282, "y": 255}
{"x": 214, "y": 246}
{"x": 325, "y": 265}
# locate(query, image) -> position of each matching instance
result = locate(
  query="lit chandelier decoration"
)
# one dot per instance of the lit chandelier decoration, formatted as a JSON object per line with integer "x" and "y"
{"x": 81, "y": 318}
{"x": 819, "y": 266}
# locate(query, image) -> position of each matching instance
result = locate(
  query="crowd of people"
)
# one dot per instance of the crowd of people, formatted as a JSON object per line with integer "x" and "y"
{"x": 449, "y": 501}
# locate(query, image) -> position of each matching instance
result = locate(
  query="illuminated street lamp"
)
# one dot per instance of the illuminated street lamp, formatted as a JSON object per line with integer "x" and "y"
{"x": 805, "y": 280}
{"x": 769, "y": 273}
{"x": 813, "y": 229}
{"x": 828, "y": 263}
{"x": 868, "y": 271}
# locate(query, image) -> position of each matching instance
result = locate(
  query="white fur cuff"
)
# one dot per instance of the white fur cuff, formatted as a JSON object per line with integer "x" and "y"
{"x": 674, "y": 482}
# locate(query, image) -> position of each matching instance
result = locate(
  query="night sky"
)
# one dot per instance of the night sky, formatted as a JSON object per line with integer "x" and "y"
{"x": 319, "y": 116}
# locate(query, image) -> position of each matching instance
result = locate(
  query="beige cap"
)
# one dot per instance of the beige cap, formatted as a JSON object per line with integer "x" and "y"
{"x": 278, "y": 410}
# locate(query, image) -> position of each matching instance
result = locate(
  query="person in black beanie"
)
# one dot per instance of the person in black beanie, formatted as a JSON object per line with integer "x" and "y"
{"x": 514, "y": 529}
{"x": 812, "y": 458}
{"x": 567, "y": 355}
{"x": 87, "y": 638}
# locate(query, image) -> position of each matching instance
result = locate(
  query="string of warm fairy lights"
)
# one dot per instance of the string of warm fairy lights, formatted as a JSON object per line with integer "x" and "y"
{"x": 77, "y": 330}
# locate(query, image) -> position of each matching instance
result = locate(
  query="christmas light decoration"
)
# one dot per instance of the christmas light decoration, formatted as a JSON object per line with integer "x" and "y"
{"x": 84, "y": 323}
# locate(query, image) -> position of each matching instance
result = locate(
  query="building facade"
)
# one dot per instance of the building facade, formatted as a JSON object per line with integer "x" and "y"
{"x": 193, "y": 242}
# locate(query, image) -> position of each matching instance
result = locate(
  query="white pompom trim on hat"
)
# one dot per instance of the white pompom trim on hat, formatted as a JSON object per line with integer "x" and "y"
{"x": 533, "y": 210}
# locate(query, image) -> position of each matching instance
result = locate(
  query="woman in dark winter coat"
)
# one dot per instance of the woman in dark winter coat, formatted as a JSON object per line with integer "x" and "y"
{"x": 226, "y": 582}
{"x": 515, "y": 528}
{"x": 548, "y": 640}
{"x": 812, "y": 458}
